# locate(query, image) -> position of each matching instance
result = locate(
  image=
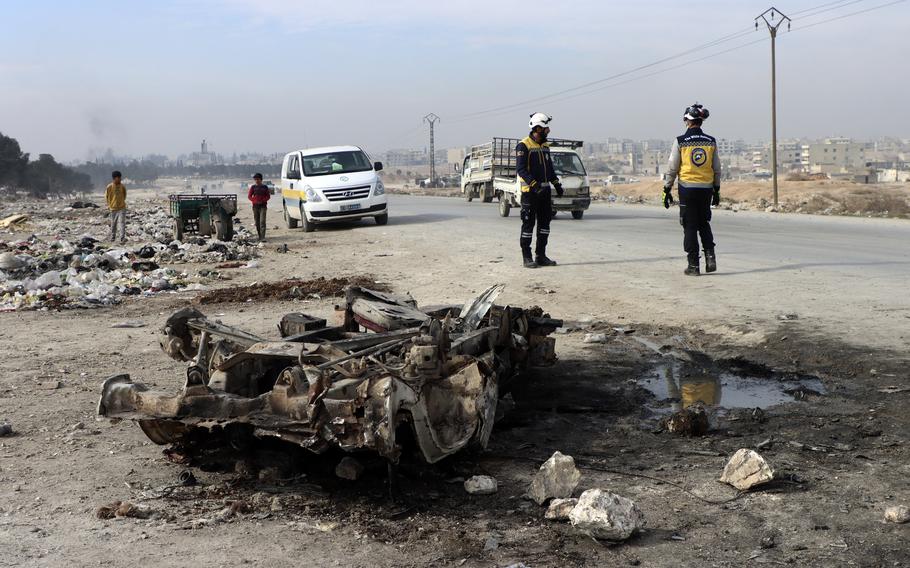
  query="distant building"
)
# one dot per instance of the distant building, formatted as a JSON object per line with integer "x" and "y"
{"x": 834, "y": 155}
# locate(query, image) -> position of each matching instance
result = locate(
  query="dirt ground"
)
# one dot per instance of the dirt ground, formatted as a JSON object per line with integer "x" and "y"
{"x": 840, "y": 451}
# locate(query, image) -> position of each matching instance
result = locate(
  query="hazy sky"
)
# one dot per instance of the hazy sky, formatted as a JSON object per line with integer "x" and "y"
{"x": 271, "y": 75}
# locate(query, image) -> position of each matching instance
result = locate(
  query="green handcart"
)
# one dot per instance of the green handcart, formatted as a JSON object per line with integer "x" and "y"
{"x": 202, "y": 214}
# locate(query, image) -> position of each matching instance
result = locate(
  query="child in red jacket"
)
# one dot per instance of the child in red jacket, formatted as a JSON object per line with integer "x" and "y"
{"x": 259, "y": 194}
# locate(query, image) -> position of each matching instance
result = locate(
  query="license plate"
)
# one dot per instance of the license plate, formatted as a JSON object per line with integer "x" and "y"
{"x": 351, "y": 207}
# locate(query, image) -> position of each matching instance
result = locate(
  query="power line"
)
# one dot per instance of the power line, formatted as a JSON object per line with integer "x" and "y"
{"x": 824, "y": 8}
{"x": 554, "y": 97}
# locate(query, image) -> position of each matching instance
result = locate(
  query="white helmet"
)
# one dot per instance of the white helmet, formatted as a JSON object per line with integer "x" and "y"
{"x": 539, "y": 119}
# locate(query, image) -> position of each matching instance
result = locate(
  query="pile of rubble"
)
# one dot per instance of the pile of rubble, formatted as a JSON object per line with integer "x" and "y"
{"x": 64, "y": 268}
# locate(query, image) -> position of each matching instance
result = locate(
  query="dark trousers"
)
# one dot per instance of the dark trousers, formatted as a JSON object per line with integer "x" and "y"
{"x": 536, "y": 208}
{"x": 259, "y": 212}
{"x": 695, "y": 217}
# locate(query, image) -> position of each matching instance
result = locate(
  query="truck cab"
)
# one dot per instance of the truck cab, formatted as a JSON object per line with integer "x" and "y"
{"x": 335, "y": 183}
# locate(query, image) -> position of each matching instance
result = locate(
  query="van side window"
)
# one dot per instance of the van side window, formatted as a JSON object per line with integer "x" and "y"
{"x": 294, "y": 165}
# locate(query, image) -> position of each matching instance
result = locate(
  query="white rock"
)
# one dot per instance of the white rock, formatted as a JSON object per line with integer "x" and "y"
{"x": 481, "y": 485}
{"x": 595, "y": 338}
{"x": 349, "y": 468}
{"x": 559, "y": 509}
{"x": 746, "y": 469}
{"x": 897, "y": 514}
{"x": 605, "y": 515}
{"x": 557, "y": 477}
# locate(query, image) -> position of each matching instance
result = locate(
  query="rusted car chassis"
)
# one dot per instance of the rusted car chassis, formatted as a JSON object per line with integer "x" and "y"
{"x": 438, "y": 371}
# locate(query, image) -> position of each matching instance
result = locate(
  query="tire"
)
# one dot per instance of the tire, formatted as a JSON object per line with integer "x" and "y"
{"x": 487, "y": 195}
{"x": 382, "y": 219}
{"x": 468, "y": 194}
{"x": 577, "y": 215}
{"x": 504, "y": 206}
{"x": 178, "y": 230}
{"x": 288, "y": 220}
{"x": 307, "y": 225}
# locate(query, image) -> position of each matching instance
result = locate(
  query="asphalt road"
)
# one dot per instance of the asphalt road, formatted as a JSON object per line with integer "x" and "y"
{"x": 836, "y": 276}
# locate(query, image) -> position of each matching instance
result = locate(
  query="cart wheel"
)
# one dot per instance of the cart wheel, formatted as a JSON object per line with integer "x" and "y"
{"x": 504, "y": 206}
{"x": 288, "y": 220}
{"x": 307, "y": 225}
{"x": 178, "y": 230}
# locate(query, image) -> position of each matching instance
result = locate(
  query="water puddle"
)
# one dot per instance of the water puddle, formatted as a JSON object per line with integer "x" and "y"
{"x": 681, "y": 386}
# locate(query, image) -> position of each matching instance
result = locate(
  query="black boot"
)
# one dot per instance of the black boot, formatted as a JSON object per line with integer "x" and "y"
{"x": 529, "y": 262}
{"x": 542, "y": 260}
{"x": 692, "y": 269}
{"x": 710, "y": 261}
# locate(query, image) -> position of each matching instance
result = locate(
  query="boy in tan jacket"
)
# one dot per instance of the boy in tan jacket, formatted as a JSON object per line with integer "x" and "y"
{"x": 116, "y": 202}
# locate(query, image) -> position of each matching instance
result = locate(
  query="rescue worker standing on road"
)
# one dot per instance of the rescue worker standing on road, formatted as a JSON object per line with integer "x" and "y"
{"x": 534, "y": 167}
{"x": 694, "y": 159}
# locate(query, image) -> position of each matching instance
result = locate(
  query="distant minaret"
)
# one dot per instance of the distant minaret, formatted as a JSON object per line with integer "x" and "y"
{"x": 204, "y": 147}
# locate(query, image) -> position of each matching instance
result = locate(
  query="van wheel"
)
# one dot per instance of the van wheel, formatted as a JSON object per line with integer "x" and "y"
{"x": 382, "y": 219}
{"x": 288, "y": 220}
{"x": 504, "y": 206}
{"x": 307, "y": 225}
{"x": 577, "y": 215}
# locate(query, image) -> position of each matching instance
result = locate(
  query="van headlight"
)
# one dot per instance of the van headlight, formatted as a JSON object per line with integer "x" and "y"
{"x": 380, "y": 188}
{"x": 584, "y": 190}
{"x": 311, "y": 194}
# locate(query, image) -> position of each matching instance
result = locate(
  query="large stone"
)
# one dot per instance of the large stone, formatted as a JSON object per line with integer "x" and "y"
{"x": 747, "y": 469}
{"x": 481, "y": 485}
{"x": 897, "y": 514}
{"x": 559, "y": 509}
{"x": 349, "y": 468}
{"x": 606, "y": 515}
{"x": 557, "y": 478}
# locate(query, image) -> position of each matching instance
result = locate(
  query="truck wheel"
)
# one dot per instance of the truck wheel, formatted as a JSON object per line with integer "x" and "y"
{"x": 288, "y": 220}
{"x": 382, "y": 219}
{"x": 178, "y": 230}
{"x": 307, "y": 225}
{"x": 504, "y": 207}
{"x": 468, "y": 194}
{"x": 577, "y": 215}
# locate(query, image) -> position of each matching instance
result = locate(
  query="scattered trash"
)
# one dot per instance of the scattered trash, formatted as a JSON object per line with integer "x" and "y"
{"x": 123, "y": 509}
{"x": 595, "y": 338}
{"x": 349, "y": 468}
{"x": 187, "y": 478}
{"x": 481, "y": 485}
{"x": 491, "y": 543}
{"x": 129, "y": 324}
{"x": 691, "y": 421}
{"x": 13, "y": 220}
{"x": 605, "y": 515}
{"x": 282, "y": 249}
{"x": 746, "y": 469}
{"x": 559, "y": 509}
{"x": 897, "y": 514}
{"x": 557, "y": 477}
{"x": 6, "y": 429}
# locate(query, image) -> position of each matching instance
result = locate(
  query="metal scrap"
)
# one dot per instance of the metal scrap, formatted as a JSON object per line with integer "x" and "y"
{"x": 435, "y": 373}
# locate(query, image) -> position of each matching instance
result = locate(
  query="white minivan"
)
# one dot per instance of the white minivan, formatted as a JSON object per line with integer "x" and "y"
{"x": 335, "y": 183}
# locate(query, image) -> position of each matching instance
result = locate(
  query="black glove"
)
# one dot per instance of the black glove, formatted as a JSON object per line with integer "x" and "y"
{"x": 668, "y": 197}
{"x": 715, "y": 201}
{"x": 558, "y": 187}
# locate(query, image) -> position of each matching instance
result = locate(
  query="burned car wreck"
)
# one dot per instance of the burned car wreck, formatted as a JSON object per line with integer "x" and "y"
{"x": 437, "y": 373}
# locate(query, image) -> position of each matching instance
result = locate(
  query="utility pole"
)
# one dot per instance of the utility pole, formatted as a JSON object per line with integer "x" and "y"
{"x": 774, "y": 14}
{"x": 432, "y": 119}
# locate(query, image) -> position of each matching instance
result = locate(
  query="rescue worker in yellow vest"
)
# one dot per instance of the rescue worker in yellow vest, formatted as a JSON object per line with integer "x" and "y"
{"x": 694, "y": 160}
{"x": 535, "y": 170}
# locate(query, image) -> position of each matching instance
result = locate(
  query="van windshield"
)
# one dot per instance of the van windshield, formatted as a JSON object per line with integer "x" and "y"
{"x": 566, "y": 164}
{"x": 336, "y": 163}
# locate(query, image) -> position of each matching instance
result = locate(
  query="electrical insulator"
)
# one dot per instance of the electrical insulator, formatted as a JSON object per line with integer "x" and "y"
{"x": 772, "y": 14}
{"x": 756, "y": 24}
{"x": 788, "y": 26}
